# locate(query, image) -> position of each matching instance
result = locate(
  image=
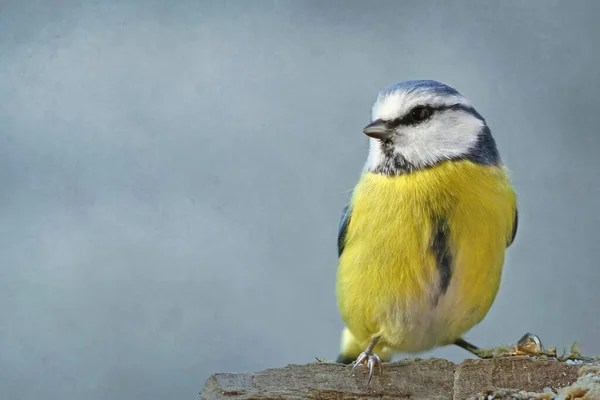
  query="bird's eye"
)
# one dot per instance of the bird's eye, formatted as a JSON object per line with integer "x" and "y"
{"x": 420, "y": 113}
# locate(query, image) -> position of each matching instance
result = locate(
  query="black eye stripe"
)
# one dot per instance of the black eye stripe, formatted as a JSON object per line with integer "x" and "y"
{"x": 408, "y": 120}
{"x": 394, "y": 123}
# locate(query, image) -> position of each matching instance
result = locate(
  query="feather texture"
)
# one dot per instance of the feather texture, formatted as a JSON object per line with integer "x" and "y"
{"x": 390, "y": 283}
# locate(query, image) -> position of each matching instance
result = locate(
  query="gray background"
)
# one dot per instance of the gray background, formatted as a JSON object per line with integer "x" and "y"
{"x": 172, "y": 175}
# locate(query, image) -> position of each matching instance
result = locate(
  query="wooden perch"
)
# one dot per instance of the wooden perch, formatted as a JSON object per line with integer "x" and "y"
{"x": 517, "y": 377}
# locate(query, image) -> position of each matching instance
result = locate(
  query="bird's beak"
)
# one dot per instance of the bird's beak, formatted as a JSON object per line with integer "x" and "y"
{"x": 378, "y": 130}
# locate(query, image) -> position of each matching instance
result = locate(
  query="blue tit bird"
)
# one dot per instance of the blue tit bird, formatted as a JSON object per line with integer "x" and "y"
{"x": 422, "y": 240}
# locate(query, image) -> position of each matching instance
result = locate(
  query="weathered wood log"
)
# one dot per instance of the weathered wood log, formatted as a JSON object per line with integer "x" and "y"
{"x": 517, "y": 377}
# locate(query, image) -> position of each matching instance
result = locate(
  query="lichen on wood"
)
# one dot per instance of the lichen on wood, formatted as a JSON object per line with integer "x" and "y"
{"x": 508, "y": 377}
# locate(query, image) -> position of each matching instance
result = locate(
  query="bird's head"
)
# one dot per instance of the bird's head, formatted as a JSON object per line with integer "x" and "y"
{"x": 418, "y": 124}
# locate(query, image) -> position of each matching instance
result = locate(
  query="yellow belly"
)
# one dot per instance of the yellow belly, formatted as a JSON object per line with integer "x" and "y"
{"x": 388, "y": 282}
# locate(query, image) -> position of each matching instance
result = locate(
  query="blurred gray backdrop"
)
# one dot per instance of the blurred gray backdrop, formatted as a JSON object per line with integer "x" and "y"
{"x": 172, "y": 175}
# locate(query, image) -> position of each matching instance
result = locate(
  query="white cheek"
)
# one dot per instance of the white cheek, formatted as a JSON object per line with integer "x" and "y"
{"x": 442, "y": 138}
{"x": 375, "y": 155}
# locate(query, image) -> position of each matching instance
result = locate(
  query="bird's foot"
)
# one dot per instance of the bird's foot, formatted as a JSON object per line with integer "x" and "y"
{"x": 529, "y": 344}
{"x": 371, "y": 360}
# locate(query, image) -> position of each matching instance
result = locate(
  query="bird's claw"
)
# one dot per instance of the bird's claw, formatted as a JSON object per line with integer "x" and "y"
{"x": 371, "y": 360}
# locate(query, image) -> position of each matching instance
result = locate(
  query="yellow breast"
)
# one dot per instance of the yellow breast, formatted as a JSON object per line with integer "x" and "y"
{"x": 388, "y": 278}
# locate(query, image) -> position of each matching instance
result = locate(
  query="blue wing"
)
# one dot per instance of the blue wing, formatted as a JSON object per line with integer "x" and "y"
{"x": 343, "y": 229}
{"x": 514, "y": 228}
